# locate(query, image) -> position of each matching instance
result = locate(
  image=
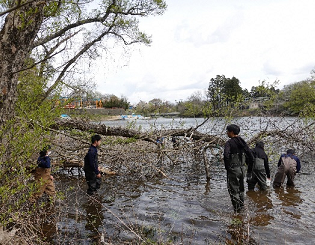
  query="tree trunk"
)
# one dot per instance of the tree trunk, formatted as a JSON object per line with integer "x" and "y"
{"x": 16, "y": 40}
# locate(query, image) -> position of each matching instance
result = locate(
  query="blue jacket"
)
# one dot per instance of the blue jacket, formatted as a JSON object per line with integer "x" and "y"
{"x": 43, "y": 162}
{"x": 92, "y": 159}
{"x": 298, "y": 163}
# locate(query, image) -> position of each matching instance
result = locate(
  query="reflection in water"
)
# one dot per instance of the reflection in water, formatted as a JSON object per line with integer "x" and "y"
{"x": 207, "y": 187}
{"x": 192, "y": 209}
{"x": 49, "y": 221}
{"x": 94, "y": 218}
{"x": 187, "y": 207}
{"x": 239, "y": 231}
{"x": 263, "y": 203}
{"x": 291, "y": 199}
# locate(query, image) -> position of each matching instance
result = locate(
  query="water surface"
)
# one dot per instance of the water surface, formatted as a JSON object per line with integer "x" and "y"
{"x": 184, "y": 208}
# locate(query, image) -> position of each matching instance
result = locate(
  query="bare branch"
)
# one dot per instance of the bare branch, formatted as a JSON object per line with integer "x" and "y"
{"x": 73, "y": 25}
{"x": 73, "y": 60}
{"x": 123, "y": 39}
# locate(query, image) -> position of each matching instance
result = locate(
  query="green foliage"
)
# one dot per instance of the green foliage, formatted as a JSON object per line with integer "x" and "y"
{"x": 264, "y": 89}
{"x": 195, "y": 106}
{"x": 31, "y": 106}
{"x": 192, "y": 109}
{"x": 131, "y": 124}
{"x": 114, "y": 101}
{"x": 308, "y": 111}
{"x": 223, "y": 93}
{"x": 214, "y": 92}
{"x": 236, "y": 221}
{"x": 232, "y": 89}
{"x": 266, "y": 94}
{"x": 22, "y": 139}
{"x": 154, "y": 106}
{"x": 300, "y": 97}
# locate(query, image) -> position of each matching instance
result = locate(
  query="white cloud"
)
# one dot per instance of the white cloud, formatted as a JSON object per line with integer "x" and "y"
{"x": 195, "y": 41}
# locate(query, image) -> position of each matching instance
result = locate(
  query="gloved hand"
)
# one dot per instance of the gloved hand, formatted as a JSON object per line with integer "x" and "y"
{"x": 249, "y": 176}
{"x": 268, "y": 181}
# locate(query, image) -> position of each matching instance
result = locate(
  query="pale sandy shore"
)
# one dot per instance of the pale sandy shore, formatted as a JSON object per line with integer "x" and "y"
{"x": 112, "y": 118}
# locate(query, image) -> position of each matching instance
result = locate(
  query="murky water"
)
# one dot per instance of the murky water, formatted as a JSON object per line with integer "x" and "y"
{"x": 184, "y": 209}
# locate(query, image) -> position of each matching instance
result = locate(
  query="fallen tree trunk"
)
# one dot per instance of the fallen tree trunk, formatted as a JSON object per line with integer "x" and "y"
{"x": 145, "y": 158}
{"x": 102, "y": 129}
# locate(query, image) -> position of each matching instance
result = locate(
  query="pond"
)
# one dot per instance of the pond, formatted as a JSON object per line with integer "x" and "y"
{"x": 183, "y": 208}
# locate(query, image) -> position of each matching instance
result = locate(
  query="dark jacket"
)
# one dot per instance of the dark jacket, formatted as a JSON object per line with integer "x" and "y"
{"x": 237, "y": 145}
{"x": 44, "y": 162}
{"x": 260, "y": 153}
{"x": 91, "y": 160}
{"x": 298, "y": 163}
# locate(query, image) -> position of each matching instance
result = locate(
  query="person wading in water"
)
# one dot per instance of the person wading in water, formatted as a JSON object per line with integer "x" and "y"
{"x": 236, "y": 155}
{"x": 261, "y": 171}
{"x": 289, "y": 164}
{"x": 91, "y": 170}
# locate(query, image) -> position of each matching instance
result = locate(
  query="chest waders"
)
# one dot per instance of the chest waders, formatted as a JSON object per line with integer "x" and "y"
{"x": 287, "y": 168}
{"x": 235, "y": 180}
{"x": 44, "y": 183}
{"x": 258, "y": 175}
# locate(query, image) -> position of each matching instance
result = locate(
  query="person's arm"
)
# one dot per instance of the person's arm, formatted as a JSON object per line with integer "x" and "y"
{"x": 249, "y": 159}
{"x": 298, "y": 164}
{"x": 226, "y": 154}
{"x": 98, "y": 174}
{"x": 280, "y": 161}
{"x": 266, "y": 163}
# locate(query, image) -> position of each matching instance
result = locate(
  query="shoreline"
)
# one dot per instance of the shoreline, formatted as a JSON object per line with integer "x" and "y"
{"x": 112, "y": 118}
{"x": 106, "y": 118}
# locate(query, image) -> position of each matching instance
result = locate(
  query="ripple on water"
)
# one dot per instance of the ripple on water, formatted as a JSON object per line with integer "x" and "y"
{"x": 189, "y": 209}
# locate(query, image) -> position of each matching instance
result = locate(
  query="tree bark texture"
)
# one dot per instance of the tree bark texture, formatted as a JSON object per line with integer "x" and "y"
{"x": 16, "y": 41}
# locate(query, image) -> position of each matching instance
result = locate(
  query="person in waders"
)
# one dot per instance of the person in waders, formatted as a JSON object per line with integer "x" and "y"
{"x": 91, "y": 169}
{"x": 236, "y": 155}
{"x": 43, "y": 178}
{"x": 261, "y": 172}
{"x": 289, "y": 164}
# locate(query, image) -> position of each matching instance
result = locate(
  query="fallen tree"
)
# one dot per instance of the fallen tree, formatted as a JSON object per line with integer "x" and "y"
{"x": 136, "y": 155}
{"x": 101, "y": 128}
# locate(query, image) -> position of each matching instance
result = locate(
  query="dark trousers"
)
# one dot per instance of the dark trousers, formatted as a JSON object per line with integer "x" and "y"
{"x": 235, "y": 182}
{"x": 93, "y": 182}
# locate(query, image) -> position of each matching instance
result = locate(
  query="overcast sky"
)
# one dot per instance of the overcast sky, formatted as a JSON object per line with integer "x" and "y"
{"x": 195, "y": 40}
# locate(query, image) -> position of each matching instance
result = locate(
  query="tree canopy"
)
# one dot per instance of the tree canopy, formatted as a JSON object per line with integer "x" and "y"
{"x": 223, "y": 91}
{"x": 56, "y": 35}
{"x": 300, "y": 97}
